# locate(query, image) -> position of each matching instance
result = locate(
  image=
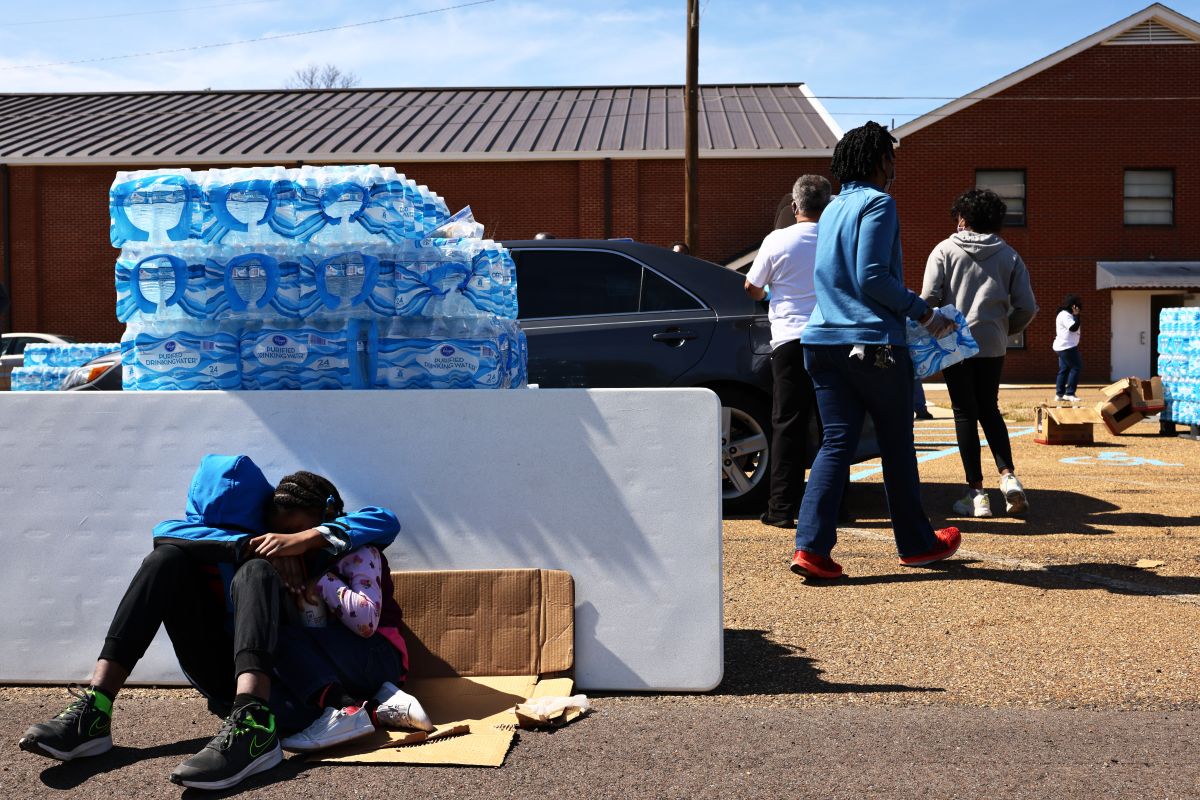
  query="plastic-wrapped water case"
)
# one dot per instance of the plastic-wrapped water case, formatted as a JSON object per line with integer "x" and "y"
{"x": 931, "y": 355}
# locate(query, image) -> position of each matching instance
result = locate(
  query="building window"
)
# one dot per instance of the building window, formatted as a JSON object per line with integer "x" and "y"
{"x": 1010, "y": 185}
{"x": 1149, "y": 197}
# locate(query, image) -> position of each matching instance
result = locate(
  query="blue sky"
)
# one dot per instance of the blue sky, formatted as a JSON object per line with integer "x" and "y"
{"x": 913, "y": 49}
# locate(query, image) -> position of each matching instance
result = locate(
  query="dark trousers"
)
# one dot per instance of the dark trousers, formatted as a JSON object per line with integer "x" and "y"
{"x": 1069, "y": 365}
{"x": 310, "y": 659}
{"x": 172, "y": 590}
{"x": 847, "y": 389}
{"x": 974, "y": 387}
{"x": 791, "y": 407}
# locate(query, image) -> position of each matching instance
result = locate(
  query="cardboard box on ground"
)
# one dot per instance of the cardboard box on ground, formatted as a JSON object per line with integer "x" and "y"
{"x": 1125, "y": 404}
{"x": 480, "y": 643}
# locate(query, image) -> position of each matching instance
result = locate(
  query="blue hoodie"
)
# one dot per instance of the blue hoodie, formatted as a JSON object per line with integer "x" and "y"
{"x": 226, "y": 507}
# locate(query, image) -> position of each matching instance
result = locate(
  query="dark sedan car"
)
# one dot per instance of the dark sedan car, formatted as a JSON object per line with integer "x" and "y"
{"x": 625, "y": 314}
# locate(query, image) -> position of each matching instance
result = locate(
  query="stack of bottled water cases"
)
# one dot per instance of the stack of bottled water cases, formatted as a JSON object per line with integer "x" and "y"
{"x": 311, "y": 278}
{"x": 46, "y": 366}
{"x": 1179, "y": 363}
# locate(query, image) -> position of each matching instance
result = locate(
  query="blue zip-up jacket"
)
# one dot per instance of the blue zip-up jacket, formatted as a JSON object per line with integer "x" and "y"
{"x": 859, "y": 274}
{"x": 226, "y": 507}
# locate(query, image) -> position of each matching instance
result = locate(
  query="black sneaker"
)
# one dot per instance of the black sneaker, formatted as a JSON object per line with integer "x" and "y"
{"x": 246, "y": 745}
{"x": 83, "y": 729}
{"x": 779, "y": 522}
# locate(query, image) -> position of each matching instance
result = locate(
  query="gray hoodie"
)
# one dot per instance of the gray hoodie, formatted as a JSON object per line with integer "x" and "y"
{"x": 985, "y": 279}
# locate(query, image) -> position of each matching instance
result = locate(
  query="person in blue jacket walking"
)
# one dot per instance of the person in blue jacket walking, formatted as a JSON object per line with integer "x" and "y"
{"x": 216, "y": 580}
{"x": 855, "y": 352}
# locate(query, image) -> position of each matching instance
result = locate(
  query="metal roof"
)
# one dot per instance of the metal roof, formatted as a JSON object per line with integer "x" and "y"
{"x": 459, "y": 124}
{"x": 1147, "y": 274}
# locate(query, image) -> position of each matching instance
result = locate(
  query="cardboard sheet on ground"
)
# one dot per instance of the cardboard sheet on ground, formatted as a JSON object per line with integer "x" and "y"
{"x": 474, "y": 718}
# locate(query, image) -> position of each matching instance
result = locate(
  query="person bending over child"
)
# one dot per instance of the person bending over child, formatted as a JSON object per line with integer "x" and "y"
{"x": 215, "y": 581}
{"x": 349, "y": 672}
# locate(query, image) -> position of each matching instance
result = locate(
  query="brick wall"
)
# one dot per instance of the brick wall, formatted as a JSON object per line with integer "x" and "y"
{"x": 1074, "y": 152}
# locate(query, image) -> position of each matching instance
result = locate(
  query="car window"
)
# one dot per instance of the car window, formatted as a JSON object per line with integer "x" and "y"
{"x": 16, "y": 345}
{"x": 577, "y": 283}
{"x": 659, "y": 294}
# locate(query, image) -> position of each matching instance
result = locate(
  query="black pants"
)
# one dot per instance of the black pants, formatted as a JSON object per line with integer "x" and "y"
{"x": 792, "y": 405}
{"x": 170, "y": 588}
{"x": 974, "y": 387}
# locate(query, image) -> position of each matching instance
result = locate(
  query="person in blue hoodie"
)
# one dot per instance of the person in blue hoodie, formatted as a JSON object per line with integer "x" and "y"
{"x": 856, "y": 354}
{"x": 217, "y": 580}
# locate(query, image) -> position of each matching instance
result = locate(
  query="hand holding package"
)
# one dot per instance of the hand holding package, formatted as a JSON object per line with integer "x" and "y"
{"x": 931, "y": 355}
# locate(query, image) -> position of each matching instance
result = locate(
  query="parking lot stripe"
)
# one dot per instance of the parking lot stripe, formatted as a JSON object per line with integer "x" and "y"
{"x": 876, "y": 468}
{"x": 1063, "y": 570}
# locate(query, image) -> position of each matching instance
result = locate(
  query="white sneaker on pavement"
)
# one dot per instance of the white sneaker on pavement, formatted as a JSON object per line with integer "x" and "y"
{"x": 1015, "y": 501}
{"x": 334, "y": 726}
{"x": 1070, "y": 398}
{"x": 399, "y": 709}
{"x": 974, "y": 503}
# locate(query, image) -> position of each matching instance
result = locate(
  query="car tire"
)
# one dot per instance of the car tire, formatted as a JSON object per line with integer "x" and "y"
{"x": 745, "y": 451}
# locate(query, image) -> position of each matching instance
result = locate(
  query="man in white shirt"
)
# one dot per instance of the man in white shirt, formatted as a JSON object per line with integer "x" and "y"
{"x": 785, "y": 264}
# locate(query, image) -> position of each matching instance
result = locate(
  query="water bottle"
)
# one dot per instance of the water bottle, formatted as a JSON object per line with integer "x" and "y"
{"x": 309, "y": 354}
{"x": 240, "y": 201}
{"x": 169, "y": 355}
{"x": 438, "y": 353}
{"x": 151, "y": 206}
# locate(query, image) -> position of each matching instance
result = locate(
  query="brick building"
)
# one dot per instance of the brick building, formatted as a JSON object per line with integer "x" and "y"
{"x": 1094, "y": 147}
{"x": 587, "y": 162}
{"x": 1097, "y": 150}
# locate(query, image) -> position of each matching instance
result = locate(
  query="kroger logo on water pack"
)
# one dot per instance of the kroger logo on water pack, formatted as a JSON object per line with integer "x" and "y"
{"x": 274, "y": 349}
{"x": 166, "y": 356}
{"x": 447, "y": 359}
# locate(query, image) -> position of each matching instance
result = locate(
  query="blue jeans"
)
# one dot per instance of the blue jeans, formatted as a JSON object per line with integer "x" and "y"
{"x": 848, "y": 389}
{"x": 309, "y": 659}
{"x": 1069, "y": 365}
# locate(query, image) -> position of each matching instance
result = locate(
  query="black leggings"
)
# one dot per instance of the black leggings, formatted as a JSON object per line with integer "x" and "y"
{"x": 170, "y": 588}
{"x": 974, "y": 387}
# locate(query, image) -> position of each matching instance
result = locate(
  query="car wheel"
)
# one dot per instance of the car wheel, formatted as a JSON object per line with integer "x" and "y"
{"x": 745, "y": 452}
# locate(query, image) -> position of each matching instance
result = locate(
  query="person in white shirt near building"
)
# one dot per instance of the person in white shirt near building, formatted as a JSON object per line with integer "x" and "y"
{"x": 1066, "y": 345}
{"x": 783, "y": 273}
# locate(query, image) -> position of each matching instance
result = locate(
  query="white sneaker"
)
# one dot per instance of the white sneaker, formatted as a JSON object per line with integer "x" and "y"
{"x": 1070, "y": 398}
{"x": 974, "y": 503}
{"x": 399, "y": 709}
{"x": 334, "y": 726}
{"x": 1015, "y": 501}
{"x": 1058, "y": 398}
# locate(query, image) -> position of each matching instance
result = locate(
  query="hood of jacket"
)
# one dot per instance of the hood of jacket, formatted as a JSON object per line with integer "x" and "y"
{"x": 979, "y": 246}
{"x": 226, "y": 504}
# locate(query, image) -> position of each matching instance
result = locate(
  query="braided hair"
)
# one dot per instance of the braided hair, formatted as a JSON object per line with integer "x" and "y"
{"x": 307, "y": 490}
{"x": 858, "y": 153}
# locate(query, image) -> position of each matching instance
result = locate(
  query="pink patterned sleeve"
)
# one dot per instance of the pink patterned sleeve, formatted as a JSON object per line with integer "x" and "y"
{"x": 353, "y": 592}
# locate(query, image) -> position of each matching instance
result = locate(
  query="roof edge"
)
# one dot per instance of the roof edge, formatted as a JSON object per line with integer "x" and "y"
{"x": 1170, "y": 18}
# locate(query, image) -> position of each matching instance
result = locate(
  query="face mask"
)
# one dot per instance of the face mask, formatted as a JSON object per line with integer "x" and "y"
{"x": 961, "y": 227}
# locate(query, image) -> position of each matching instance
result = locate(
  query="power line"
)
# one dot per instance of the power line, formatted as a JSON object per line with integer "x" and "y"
{"x": 249, "y": 41}
{"x": 134, "y": 14}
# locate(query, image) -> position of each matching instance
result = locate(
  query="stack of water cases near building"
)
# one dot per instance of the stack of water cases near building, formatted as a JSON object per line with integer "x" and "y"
{"x": 1179, "y": 363}
{"x": 348, "y": 277}
{"x": 47, "y": 365}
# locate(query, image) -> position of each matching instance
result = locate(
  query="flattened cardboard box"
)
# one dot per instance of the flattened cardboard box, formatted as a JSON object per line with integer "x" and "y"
{"x": 1058, "y": 425}
{"x": 479, "y": 642}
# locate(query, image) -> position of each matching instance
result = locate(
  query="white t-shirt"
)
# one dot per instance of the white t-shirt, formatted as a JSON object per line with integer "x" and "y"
{"x": 1064, "y": 337}
{"x": 785, "y": 263}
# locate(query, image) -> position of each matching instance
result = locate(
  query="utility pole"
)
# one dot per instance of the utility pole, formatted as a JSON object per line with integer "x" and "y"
{"x": 691, "y": 135}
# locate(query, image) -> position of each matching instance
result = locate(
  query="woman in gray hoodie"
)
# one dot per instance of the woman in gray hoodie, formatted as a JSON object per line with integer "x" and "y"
{"x": 983, "y": 277}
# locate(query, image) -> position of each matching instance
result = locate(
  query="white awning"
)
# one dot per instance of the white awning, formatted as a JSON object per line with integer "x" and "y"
{"x": 1147, "y": 274}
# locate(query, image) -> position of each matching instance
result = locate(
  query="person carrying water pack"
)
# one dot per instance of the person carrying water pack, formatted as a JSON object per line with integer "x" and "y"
{"x": 220, "y": 603}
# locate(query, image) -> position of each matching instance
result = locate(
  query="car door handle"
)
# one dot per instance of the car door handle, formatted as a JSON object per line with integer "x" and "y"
{"x": 674, "y": 336}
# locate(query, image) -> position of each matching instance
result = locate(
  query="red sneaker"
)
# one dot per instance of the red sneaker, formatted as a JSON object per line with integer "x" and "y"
{"x": 949, "y": 539}
{"x": 815, "y": 566}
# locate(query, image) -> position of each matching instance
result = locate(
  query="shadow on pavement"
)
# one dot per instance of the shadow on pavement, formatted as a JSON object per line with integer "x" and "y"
{"x": 754, "y": 664}
{"x": 70, "y": 774}
{"x": 1113, "y": 578}
{"x": 1051, "y": 512}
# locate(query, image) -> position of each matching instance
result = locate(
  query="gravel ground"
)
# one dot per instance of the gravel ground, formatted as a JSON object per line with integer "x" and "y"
{"x": 1042, "y": 661}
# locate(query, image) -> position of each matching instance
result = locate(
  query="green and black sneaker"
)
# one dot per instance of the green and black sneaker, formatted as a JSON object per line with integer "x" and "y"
{"x": 83, "y": 729}
{"x": 246, "y": 745}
